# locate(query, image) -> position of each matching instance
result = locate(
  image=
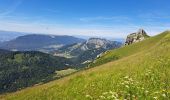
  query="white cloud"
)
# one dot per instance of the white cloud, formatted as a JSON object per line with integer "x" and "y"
{"x": 114, "y": 31}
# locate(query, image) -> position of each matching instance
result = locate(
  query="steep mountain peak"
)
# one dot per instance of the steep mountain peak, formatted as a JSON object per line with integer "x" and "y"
{"x": 140, "y": 35}
{"x": 141, "y": 31}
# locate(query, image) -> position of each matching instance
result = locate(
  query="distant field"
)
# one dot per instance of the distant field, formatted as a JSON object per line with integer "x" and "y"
{"x": 66, "y": 72}
{"x": 140, "y": 72}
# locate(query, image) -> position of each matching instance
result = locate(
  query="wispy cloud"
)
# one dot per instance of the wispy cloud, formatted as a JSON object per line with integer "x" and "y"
{"x": 102, "y": 18}
{"x": 11, "y": 8}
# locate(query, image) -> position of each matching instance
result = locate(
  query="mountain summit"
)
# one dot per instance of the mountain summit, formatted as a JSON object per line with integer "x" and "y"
{"x": 140, "y": 35}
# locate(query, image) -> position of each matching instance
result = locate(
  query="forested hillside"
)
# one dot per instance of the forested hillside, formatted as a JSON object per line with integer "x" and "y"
{"x": 22, "y": 69}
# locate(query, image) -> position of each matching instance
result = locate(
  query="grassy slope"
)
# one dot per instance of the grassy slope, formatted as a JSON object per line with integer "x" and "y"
{"x": 142, "y": 73}
{"x": 127, "y": 50}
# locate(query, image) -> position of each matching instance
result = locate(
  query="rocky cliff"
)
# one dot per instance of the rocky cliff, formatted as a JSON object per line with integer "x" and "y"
{"x": 90, "y": 44}
{"x": 140, "y": 35}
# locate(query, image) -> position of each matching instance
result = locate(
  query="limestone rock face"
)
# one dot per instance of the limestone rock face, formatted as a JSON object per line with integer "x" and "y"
{"x": 140, "y": 35}
{"x": 95, "y": 43}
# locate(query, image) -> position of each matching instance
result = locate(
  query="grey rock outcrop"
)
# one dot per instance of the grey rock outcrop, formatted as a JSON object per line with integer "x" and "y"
{"x": 90, "y": 44}
{"x": 140, "y": 35}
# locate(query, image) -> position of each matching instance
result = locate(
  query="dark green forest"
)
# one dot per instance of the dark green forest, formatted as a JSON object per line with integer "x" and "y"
{"x": 22, "y": 69}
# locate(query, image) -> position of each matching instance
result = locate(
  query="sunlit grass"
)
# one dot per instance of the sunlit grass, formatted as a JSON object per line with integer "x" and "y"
{"x": 65, "y": 72}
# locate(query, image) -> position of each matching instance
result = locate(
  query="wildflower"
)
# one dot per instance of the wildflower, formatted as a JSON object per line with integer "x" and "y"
{"x": 156, "y": 92}
{"x": 146, "y": 92}
{"x": 126, "y": 77}
{"x": 122, "y": 83}
{"x": 164, "y": 95}
{"x": 111, "y": 92}
{"x": 163, "y": 90}
{"x": 155, "y": 98}
{"x": 113, "y": 96}
{"x": 126, "y": 86}
{"x": 130, "y": 79}
{"x": 93, "y": 85}
{"x": 88, "y": 96}
{"x": 102, "y": 97}
{"x": 105, "y": 93}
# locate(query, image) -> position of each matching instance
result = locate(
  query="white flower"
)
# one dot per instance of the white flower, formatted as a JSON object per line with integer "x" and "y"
{"x": 113, "y": 96}
{"x": 164, "y": 95}
{"x": 126, "y": 77}
{"x": 102, "y": 97}
{"x": 88, "y": 96}
{"x": 111, "y": 92}
{"x": 105, "y": 93}
{"x": 146, "y": 92}
{"x": 163, "y": 90}
{"x": 156, "y": 92}
{"x": 126, "y": 86}
{"x": 130, "y": 79}
{"x": 155, "y": 98}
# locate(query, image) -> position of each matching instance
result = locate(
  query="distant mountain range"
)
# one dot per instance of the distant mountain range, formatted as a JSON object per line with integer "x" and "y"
{"x": 37, "y": 42}
{"x": 9, "y": 35}
{"x": 87, "y": 51}
{"x": 122, "y": 40}
{"x": 80, "y": 51}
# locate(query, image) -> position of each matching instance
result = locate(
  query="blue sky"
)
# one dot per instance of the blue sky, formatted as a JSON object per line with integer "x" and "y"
{"x": 105, "y": 18}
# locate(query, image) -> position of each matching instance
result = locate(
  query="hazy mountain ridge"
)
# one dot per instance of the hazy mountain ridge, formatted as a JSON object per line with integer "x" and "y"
{"x": 9, "y": 35}
{"x": 39, "y": 42}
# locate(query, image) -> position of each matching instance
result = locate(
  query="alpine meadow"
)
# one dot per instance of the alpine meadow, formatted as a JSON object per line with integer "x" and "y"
{"x": 84, "y": 50}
